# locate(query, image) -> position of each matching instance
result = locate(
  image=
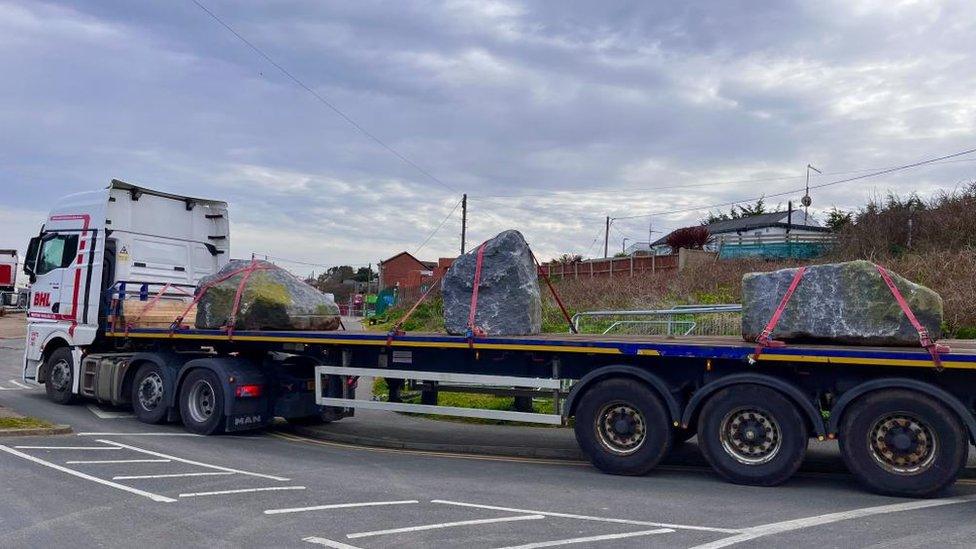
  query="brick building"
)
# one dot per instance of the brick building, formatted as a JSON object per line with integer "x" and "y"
{"x": 405, "y": 271}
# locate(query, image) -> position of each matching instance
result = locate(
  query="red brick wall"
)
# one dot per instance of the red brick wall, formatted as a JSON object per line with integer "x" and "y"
{"x": 403, "y": 270}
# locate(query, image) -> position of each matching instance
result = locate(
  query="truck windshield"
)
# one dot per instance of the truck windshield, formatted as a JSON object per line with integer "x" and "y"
{"x": 57, "y": 252}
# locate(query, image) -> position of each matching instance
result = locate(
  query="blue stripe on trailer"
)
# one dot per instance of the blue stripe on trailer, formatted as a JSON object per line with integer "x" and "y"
{"x": 735, "y": 350}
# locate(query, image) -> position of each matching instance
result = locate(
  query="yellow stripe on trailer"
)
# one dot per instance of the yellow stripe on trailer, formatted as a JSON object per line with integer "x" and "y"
{"x": 953, "y": 364}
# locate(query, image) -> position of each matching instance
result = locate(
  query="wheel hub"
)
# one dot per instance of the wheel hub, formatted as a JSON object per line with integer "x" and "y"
{"x": 150, "y": 391}
{"x": 201, "y": 401}
{"x": 751, "y": 436}
{"x": 60, "y": 375}
{"x": 902, "y": 444}
{"x": 621, "y": 428}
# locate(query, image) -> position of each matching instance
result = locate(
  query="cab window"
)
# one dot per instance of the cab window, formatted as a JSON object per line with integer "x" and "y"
{"x": 56, "y": 252}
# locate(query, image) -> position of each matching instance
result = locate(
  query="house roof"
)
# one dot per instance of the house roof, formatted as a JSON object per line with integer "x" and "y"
{"x": 409, "y": 255}
{"x": 760, "y": 221}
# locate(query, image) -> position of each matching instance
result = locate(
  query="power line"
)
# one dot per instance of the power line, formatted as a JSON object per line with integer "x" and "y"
{"x": 441, "y": 224}
{"x": 322, "y": 99}
{"x": 305, "y": 263}
{"x": 785, "y": 193}
{"x": 571, "y": 194}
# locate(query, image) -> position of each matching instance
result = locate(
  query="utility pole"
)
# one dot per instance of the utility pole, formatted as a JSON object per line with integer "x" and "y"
{"x": 606, "y": 240}
{"x": 464, "y": 218}
{"x": 806, "y": 200}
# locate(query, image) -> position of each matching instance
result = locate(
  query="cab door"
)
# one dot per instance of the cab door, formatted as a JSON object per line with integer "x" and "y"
{"x": 52, "y": 289}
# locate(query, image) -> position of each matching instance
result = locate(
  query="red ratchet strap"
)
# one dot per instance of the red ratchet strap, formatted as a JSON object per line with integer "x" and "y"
{"x": 473, "y": 330}
{"x": 765, "y": 338}
{"x": 934, "y": 349}
{"x": 542, "y": 273}
{"x": 397, "y": 329}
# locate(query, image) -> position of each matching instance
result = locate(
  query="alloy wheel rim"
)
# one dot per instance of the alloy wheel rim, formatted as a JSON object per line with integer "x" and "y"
{"x": 202, "y": 401}
{"x": 751, "y": 436}
{"x": 151, "y": 391}
{"x": 621, "y": 427}
{"x": 902, "y": 443}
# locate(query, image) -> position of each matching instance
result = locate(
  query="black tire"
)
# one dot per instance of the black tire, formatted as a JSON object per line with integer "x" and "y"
{"x": 753, "y": 435}
{"x": 202, "y": 403}
{"x": 623, "y": 427}
{"x": 150, "y": 394}
{"x": 59, "y": 376}
{"x": 877, "y": 423}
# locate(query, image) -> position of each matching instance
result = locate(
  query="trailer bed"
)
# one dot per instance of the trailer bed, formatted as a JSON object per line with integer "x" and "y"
{"x": 962, "y": 353}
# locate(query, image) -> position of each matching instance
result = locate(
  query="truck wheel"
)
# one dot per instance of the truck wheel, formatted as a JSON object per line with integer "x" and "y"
{"x": 903, "y": 443}
{"x": 752, "y": 435}
{"x": 149, "y": 394}
{"x": 623, "y": 427}
{"x": 60, "y": 376}
{"x": 202, "y": 403}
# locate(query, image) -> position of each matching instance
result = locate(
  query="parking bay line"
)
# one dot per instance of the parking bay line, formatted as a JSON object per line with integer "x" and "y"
{"x": 241, "y": 491}
{"x": 105, "y": 461}
{"x": 173, "y": 475}
{"x": 106, "y": 414}
{"x": 443, "y": 525}
{"x": 116, "y": 434}
{"x": 755, "y": 532}
{"x": 68, "y": 447}
{"x": 329, "y": 543}
{"x": 191, "y": 462}
{"x": 598, "y": 519}
{"x": 19, "y": 384}
{"x": 588, "y": 539}
{"x": 79, "y": 474}
{"x": 337, "y": 506}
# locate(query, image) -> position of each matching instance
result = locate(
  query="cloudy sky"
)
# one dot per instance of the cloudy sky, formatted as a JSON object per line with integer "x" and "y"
{"x": 550, "y": 115}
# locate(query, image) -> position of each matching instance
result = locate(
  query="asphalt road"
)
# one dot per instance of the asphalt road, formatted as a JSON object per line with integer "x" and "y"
{"x": 120, "y": 483}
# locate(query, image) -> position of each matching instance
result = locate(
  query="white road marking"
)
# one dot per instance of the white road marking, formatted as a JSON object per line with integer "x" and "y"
{"x": 90, "y": 434}
{"x": 79, "y": 474}
{"x": 755, "y": 532}
{"x": 598, "y": 519}
{"x": 442, "y": 525}
{"x": 329, "y": 543}
{"x": 69, "y": 447}
{"x": 105, "y": 414}
{"x": 337, "y": 506}
{"x": 100, "y": 461}
{"x": 241, "y": 491}
{"x": 172, "y": 475}
{"x": 8, "y": 389}
{"x": 557, "y": 542}
{"x": 191, "y": 462}
{"x": 19, "y": 384}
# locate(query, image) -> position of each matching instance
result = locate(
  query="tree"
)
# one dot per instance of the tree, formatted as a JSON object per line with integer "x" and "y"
{"x": 737, "y": 212}
{"x": 838, "y": 219}
{"x": 364, "y": 274}
{"x": 688, "y": 237}
{"x": 568, "y": 258}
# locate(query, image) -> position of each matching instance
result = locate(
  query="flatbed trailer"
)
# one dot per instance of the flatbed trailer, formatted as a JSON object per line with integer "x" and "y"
{"x": 632, "y": 397}
{"x": 903, "y": 422}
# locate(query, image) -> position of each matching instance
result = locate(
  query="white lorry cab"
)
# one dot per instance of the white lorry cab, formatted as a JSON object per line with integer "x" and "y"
{"x": 99, "y": 244}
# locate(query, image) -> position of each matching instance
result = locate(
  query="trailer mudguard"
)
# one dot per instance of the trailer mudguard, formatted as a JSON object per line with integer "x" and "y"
{"x": 837, "y": 412}
{"x": 796, "y": 395}
{"x": 623, "y": 370}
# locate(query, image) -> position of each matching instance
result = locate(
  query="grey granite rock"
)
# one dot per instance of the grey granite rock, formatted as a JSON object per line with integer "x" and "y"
{"x": 273, "y": 299}
{"x": 846, "y": 303}
{"x": 509, "y": 302}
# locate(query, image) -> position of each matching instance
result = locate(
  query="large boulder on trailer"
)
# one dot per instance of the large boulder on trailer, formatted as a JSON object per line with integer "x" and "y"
{"x": 509, "y": 301}
{"x": 271, "y": 299}
{"x": 845, "y": 303}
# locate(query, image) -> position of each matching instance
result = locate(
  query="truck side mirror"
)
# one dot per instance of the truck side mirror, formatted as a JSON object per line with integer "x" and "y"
{"x": 30, "y": 261}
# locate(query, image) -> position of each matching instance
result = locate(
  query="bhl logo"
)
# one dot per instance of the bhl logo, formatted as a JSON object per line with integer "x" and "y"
{"x": 42, "y": 299}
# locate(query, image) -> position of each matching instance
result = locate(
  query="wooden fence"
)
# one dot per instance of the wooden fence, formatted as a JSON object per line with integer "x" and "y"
{"x": 611, "y": 267}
